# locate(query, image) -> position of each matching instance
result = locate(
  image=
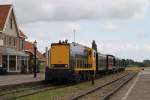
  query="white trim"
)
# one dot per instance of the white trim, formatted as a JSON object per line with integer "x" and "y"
{"x": 1, "y": 42}
{"x": 7, "y": 19}
{"x": 13, "y": 71}
{"x": 20, "y": 63}
{"x": 16, "y": 20}
{"x": 28, "y": 51}
{"x": 1, "y": 65}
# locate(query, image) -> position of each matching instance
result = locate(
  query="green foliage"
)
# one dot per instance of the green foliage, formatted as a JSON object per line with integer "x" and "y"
{"x": 133, "y": 66}
{"x": 146, "y": 63}
{"x": 42, "y": 67}
{"x": 131, "y": 63}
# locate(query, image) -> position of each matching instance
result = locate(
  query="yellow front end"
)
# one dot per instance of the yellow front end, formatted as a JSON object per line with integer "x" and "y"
{"x": 59, "y": 55}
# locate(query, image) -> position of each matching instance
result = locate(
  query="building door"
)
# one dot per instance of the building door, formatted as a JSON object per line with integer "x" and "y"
{"x": 12, "y": 63}
{"x": 4, "y": 62}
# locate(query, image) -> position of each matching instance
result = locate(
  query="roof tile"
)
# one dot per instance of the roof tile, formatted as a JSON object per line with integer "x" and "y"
{"x": 29, "y": 47}
{"x": 4, "y": 10}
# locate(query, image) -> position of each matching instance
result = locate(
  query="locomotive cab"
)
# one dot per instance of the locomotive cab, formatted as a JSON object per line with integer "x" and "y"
{"x": 59, "y": 55}
{"x": 59, "y": 68}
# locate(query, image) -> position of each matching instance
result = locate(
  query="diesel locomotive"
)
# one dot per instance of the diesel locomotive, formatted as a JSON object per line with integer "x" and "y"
{"x": 74, "y": 62}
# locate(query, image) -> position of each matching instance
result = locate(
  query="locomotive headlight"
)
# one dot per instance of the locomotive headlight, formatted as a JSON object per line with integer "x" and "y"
{"x": 66, "y": 65}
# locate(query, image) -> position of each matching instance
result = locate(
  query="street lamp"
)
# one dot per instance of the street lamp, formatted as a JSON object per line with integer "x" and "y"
{"x": 35, "y": 67}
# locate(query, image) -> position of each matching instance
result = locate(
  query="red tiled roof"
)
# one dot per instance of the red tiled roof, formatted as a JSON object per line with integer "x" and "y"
{"x": 4, "y": 10}
{"x": 28, "y": 46}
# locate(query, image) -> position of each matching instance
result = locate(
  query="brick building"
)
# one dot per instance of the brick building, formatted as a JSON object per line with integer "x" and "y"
{"x": 29, "y": 49}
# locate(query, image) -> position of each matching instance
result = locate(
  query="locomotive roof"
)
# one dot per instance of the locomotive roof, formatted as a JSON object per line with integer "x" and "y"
{"x": 101, "y": 54}
{"x": 70, "y": 44}
{"x": 60, "y": 44}
{"x": 77, "y": 44}
{"x": 110, "y": 55}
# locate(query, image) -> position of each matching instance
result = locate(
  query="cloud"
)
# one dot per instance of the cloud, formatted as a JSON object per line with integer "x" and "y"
{"x": 143, "y": 35}
{"x": 47, "y": 20}
{"x": 5, "y": 1}
{"x": 70, "y": 27}
{"x": 126, "y": 50}
{"x": 119, "y": 47}
{"x": 56, "y": 10}
{"x": 147, "y": 47}
{"x": 109, "y": 27}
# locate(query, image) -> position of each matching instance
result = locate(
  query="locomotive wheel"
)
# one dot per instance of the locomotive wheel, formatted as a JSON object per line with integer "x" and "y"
{"x": 76, "y": 78}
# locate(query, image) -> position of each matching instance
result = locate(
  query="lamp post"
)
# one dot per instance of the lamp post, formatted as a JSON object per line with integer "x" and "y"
{"x": 35, "y": 67}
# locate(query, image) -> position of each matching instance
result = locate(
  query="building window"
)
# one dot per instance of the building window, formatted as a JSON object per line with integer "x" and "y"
{"x": 5, "y": 40}
{"x": 9, "y": 41}
{"x": 12, "y": 63}
{"x": 14, "y": 42}
{"x": 11, "y": 23}
{"x": 20, "y": 44}
{"x": 4, "y": 61}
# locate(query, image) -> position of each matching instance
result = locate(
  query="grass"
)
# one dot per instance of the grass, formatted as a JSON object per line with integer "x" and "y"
{"x": 133, "y": 67}
{"x": 58, "y": 94}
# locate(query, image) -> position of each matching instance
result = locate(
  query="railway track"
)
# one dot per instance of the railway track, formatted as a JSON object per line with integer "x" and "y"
{"x": 12, "y": 93}
{"x": 105, "y": 91}
{"x": 17, "y": 92}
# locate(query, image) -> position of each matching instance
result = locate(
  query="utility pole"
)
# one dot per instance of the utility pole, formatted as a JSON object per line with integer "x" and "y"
{"x": 74, "y": 31}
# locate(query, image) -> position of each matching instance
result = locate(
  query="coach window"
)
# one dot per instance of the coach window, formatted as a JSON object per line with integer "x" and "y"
{"x": 83, "y": 63}
{"x": 94, "y": 54}
{"x": 78, "y": 63}
{"x": 90, "y": 53}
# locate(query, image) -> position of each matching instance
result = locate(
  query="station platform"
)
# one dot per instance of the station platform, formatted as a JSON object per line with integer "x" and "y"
{"x": 136, "y": 89}
{"x": 19, "y": 79}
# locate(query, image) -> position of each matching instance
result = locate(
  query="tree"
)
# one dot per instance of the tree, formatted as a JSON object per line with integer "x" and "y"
{"x": 146, "y": 63}
{"x": 94, "y": 45}
{"x": 129, "y": 61}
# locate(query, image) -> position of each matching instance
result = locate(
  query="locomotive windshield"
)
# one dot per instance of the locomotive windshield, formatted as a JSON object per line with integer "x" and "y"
{"x": 60, "y": 55}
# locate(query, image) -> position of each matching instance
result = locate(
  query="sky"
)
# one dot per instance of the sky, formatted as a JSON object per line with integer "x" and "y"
{"x": 119, "y": 27}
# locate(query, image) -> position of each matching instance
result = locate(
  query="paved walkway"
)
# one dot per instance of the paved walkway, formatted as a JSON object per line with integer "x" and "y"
{"x": 20, "y": 78}
{"x": 140, "y": 88}
{"x": 137, "y": 89}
